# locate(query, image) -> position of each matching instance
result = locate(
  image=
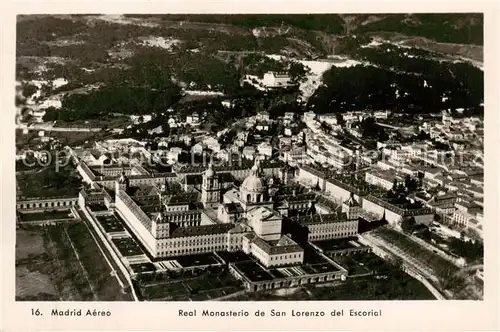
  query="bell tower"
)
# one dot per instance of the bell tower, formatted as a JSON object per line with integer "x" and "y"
{"x": 351, "y": 208}
{"x": 121, "y": 183}
{"x": 210, "y": 189}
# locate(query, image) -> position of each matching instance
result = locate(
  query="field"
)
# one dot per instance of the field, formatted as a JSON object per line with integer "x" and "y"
{"x": 62, "y": 262}
{"x": 76, "y": 138}
{"x": 46, "y": 268}
{"x": 48, "y": 215}
{"x": 32, "y": 284}
{"x": 49, "y": 182}
{"x": 104, "y": 284}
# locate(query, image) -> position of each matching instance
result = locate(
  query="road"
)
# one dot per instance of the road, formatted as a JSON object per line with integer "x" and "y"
{"x": 49, "y": 127}
{"x": 387, "y": 125}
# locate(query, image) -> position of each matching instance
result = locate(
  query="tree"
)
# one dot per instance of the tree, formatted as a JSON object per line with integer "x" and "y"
{"x": 29, "y": 90}
{"x": 397, "y": 262}
{"x": 19, "y": 101}
{"x": 408, "y": 224}
{"x": 340, "y": 119}
{"x": 411, "y": 184}
{"x": 326, "y": 127}
{"x": 382, "y": 135}
{"x": 51, "y": 114}
{"x": 296, "y": 71}
{"x": 420, "y": 177}
{"x": 165, "y": 128}
{"x": 426, "y": 234}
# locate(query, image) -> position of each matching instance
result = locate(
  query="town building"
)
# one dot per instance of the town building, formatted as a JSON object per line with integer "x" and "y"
{"x": 276, "y": 80}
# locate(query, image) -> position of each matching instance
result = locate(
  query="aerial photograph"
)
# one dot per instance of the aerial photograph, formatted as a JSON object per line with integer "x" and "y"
{"x": 249, "y": 157}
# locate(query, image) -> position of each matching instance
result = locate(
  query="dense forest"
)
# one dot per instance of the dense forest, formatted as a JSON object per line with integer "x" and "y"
{"x": 331, "y": 23}
{"x": 446, "y": 28}
{"x": 114, "y": 99}
{"x": 408, "y": 80}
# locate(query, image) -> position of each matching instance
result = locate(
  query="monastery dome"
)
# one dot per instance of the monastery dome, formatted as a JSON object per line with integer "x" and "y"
{"x": 253, "y": 183}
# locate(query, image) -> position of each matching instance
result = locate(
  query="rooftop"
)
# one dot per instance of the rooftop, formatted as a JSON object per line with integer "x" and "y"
{"x": 233, "y": 208}
{"x": 321, "y": 218}
{"x": 284, "y": 245}
{"x": 181, "y": 199}
{"x": 201, "y": 230}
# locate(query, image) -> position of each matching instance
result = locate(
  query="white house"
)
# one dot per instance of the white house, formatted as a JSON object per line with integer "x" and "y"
{"x": 157, "y": 130}
{"x": 38, "y": 115}
{"x": 262, "y": 116}
{"x": 273, "y": 80}
{"x": 248, "y": 152}
{"x": 265, "y": 149}
{"x": 136, "y": 119}
{"x": 381, "y": 115}
{"x": 263, "y": 126}
{"x": 174, "y": 153}
{"x": 223, "y": 155}
{"x": 172, "y": 123}
{"x": 52, "y": 102}
{"x": 193, "y": 120}
{"x": 197, "y": 148}
{"x": 212, "y": 143}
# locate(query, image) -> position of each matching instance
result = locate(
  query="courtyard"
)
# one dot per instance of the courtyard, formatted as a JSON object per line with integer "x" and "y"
{"x": 110, "y": 223}
{"x": 127, "y": 246}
